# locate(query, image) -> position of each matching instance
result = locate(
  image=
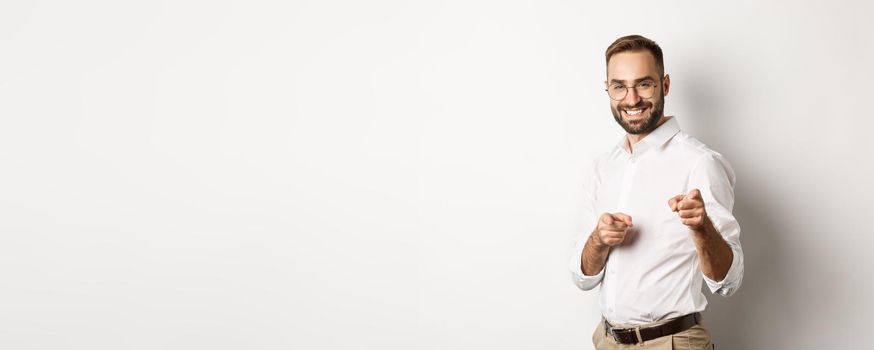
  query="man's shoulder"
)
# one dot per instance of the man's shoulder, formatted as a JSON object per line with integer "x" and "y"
{"x": 701, "y": 156}
{"x": 693, "y": 148}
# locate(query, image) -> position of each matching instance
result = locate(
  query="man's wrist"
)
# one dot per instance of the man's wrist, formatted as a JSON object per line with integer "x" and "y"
{"x": 597, "y": 243}
{"x": 706, "y": 231}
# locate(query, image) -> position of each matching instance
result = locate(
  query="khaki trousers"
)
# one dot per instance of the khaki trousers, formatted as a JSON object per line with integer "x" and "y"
{"x": 695, "y": 338}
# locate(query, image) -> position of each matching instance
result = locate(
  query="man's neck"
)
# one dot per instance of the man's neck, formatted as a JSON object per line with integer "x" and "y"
{"x": 633, "y": 139}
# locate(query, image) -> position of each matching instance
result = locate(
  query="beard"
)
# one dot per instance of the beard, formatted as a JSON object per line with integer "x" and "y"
{"x": 656, "y": 110}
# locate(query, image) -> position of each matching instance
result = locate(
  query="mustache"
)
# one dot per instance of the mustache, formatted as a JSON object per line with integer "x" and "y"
{"x": 641, "y": 105}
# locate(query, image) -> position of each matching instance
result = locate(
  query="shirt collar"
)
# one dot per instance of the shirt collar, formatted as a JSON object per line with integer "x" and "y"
{"x": 656, "y": 138}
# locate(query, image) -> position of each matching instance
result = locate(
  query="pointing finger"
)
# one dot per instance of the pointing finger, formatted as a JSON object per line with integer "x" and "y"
{"x": 694, "y": 194}
{"x": 623, "y": 217}
{"x": 674, "y": 200}
{"x": 617, "y": 225}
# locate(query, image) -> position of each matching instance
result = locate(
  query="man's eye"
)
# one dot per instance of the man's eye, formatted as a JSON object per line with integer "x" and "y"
{"x": 617, "y": 87}
{"x": 646, "y": 85}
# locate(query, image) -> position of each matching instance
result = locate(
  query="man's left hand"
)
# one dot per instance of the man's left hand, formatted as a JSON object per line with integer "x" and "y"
{"x": 690, "y": 207}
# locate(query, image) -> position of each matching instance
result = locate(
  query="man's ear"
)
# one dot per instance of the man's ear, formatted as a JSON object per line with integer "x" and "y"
{"x": 666, "y": 84}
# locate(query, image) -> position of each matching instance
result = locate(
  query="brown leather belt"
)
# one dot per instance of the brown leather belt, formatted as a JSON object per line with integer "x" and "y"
{"x": 629, "y": 335}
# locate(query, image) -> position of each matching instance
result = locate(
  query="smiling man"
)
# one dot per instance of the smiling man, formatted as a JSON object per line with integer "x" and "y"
{"x": 659, "y": 207}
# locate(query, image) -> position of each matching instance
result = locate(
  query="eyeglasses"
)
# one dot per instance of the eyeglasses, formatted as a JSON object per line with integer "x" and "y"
{"x": 644, "y": 89}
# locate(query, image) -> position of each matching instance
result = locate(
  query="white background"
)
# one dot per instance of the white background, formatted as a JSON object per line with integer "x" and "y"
{"x": 405, "y": 175}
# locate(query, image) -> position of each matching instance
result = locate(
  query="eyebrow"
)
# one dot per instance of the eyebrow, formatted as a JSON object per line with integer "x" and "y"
{"x": 615, "y": 81}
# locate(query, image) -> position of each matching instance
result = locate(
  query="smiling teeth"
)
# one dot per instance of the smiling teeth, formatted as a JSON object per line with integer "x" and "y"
{"x": 633, "y": 111}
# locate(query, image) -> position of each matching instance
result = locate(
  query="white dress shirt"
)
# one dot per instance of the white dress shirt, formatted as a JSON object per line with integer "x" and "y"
{"x": 654, "y": 274}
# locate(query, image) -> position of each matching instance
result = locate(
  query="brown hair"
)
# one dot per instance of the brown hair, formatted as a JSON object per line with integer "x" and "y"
{"x": 637, "y": 43}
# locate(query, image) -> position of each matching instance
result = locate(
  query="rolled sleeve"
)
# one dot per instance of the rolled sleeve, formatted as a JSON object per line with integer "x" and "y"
{"x": 732, "y": 280}
{"x": 590, "y": 221}
{"x": 714, "y": 177}
{"x": 581, "y": 280}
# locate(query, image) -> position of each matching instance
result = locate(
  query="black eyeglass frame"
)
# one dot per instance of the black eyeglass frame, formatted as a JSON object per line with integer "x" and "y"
{"x": 635, "y": 90}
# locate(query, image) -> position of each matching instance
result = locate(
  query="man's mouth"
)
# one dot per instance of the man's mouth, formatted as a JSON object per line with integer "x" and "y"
{"x": 633, "y": 113}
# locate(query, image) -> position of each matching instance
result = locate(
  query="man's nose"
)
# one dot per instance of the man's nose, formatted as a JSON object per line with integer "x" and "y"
{"x": 631, "y": 97}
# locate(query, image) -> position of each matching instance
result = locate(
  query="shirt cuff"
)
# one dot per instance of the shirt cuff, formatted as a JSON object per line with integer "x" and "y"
{"x": 587, "y": 282}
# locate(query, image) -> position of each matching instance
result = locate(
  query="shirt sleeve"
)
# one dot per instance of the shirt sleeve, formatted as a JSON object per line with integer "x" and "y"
{"x": 589, "y": 220}
{"x": 714, "y": 177}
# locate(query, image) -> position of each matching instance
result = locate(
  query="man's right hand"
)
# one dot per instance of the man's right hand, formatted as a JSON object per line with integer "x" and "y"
{"x": 611, "y": 229}
{"x": 610, "y": 232}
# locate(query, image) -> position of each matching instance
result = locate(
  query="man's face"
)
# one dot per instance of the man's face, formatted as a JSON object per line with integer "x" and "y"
{"x": 635, "y": 114}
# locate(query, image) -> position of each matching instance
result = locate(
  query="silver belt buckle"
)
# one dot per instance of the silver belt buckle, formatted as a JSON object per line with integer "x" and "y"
{"x": 615, "y": 337}
{"x": 613, "y": 334}
{"x": 610, "y": 331}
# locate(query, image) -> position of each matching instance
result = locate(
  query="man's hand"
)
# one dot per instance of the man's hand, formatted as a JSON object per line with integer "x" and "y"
{"x": 690, "y": 207}
{"x": 713, "y": 252}
{"x": 609, "y": 232}
{"x": 611, "y": 229}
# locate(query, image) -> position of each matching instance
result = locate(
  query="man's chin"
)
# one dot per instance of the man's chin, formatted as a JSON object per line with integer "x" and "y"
{"x": 639, "y": 126}
{"x": 634, "y": 126}
{"x": 634, "y": 130}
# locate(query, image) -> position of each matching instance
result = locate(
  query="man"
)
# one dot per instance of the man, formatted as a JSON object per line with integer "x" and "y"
{"x": 659, "y": 205}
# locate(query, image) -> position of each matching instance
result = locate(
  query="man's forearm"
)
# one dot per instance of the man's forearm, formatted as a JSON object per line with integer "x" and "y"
{"x": 714, "y": 253}
{"x": 594, "y": 256}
